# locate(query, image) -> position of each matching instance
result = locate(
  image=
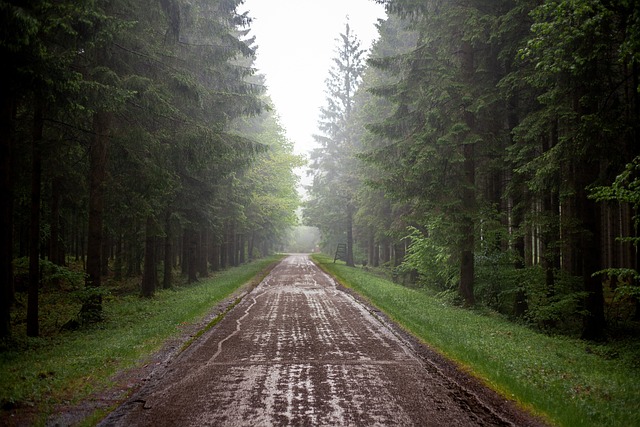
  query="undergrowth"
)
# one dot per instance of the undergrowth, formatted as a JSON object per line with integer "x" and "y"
{"x": 568, "y": 381}
{"x": 67, "y": 366}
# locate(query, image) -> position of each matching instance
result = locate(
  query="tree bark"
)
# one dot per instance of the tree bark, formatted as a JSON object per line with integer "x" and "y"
{"x": 250, "y": 245}
{"x": 167, "y": 279}
{"x": 203, "y": 267}
{"x": 349, "y": 260}
{"x": 192, "y": 255}
{"x": 184, "y": 257}
{"x": 594, "y": 323}
{"x": 231, "y": 244}
{"x": 215, "y": 254}
{"x": 371, "y": 242}
{"x": 92, "y": 307}
{"x": 7, "y": 111}
{"x": 467, "y": 228}
{"x": 56, "y": 249}
{"x": 241, "y": 249}
{"x": 149, "y": 275}
{"x": 386, "y": 251}
{"x": 118, "y": 261}
{"x": 223, "y": 252}
{"x": 105, "y": 252}
{"x": 33, "y": 325}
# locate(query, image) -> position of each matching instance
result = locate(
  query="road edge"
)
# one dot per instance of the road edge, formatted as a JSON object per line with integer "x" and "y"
{"x": 511, "y": 412}
{"x": 98, "y": 407}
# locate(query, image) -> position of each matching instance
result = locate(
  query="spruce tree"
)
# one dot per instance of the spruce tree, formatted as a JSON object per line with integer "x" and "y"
{"x": 332, "y": 206}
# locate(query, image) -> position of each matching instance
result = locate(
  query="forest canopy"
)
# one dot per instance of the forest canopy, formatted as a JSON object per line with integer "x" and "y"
{"x": 136, "y": 140}
{"x": 488, "y": 150}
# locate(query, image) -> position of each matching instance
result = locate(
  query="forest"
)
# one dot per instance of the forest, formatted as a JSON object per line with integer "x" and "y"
{"x": 488, "y": 151}
{"x": 480, "y": 166}
{"x": 485, "y": 150}
{"x": 137, "y": 144}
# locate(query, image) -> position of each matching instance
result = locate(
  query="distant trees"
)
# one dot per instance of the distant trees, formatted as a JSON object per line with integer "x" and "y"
{"x": 139, "y": 125}
{"x": 484, "y": 138}
{"x": 331, "y": 207}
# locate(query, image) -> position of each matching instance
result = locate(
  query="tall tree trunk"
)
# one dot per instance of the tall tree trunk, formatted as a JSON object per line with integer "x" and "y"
{"x": 376, "y": 255}
{"x": 242, "y": 248}
{"x": 92, "y": 307}
{"x": 250, "y": 245}
{"x": 516, "y": 224}
{"x": 371, "y": 242}
{"x": 75, "y": 233}
{"x": 135, "y": 252}
{"x": 386, "y": 251}
{"x": 56, "y": 251}
{"x": 105, "y": 252}
{"x": 203, "y": 267}
{"x": 590, "y": 262}
{"x": 7, "y": 112}
{"x": 118, "y": 261}
{"x": 82, "y": 240}
{"x": 550, "y": 234}
{"x": 33, "y": 325}
{"x": 215, "y": 254}
{"x": 515, "y": 220}
{"x": 349, "y": 259}
{"x": 184, "y": 257}
{"x": 467, "y": 229}
{"x": 192, "y": 255}
{"x": 149, "y": 274}
{"x": 231, "y": 248}
{"x": 223, "y": 252}
{"x": 167, "y": 281}
{"x": 399, "y": 253}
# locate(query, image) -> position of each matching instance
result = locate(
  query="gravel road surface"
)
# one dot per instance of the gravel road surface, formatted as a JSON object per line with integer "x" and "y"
{"x": 299, "y": 350}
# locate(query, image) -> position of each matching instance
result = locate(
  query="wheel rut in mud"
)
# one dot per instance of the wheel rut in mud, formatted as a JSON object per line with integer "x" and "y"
{"x": 299, "y": 350}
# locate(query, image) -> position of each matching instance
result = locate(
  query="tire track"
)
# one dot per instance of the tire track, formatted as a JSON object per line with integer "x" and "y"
{"x": 298, "y": 350}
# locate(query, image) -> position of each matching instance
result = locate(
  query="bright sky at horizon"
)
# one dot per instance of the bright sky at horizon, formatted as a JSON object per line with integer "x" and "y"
{"x": 296, "y": 42}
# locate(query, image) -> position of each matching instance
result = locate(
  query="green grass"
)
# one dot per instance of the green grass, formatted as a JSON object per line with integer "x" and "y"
{"x": 43, "y": 372}
{"x": 568, "y": 381}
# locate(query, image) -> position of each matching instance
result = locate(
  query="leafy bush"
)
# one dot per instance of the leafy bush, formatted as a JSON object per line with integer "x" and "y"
{"x": 497, "y": 280}
{"x": 51, "y": 275}
{"x": 430, "y": 256}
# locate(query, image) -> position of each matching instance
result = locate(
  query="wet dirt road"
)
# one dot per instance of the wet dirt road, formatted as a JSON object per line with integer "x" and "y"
{"x": 298, "y": 350}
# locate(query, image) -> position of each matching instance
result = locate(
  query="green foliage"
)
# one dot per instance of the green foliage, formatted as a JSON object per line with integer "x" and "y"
{"x": 541, "y": 91}
{"x": 53, "y": 276}
{"x": 498, "y": 281}
{"x": 623, "y": 281}
{"x": 331, "y": 206}
{"x": 268, "y": 190}
{"x": 625, "y": 188}
{"x": 431, "y": 257}
{"x": 558, "y": 309}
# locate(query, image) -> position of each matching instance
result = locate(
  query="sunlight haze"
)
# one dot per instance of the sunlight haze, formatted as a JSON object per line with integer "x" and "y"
{"x": 296, "y": 41}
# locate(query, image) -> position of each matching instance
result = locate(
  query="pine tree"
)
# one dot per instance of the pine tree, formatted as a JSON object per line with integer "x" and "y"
{"x": 332, "y": 204}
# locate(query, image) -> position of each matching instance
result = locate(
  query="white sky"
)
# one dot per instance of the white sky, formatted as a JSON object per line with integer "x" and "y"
{"x": 296, "y": 41}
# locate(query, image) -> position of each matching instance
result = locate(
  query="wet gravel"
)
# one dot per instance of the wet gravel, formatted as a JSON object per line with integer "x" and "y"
{"x": 299, "y": 350}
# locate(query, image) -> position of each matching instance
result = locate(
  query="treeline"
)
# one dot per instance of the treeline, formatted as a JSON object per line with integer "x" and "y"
{"x": 491, "y": 152}
{"x": 135, "y": 139}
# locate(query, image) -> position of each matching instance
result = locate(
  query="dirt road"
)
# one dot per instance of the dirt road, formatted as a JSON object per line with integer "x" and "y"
{"x": 300, "y": 351}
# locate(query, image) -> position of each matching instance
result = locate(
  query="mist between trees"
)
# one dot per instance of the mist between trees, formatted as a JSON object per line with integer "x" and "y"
{"x": 137, "y": 142}
{"x": 489, "y": 150}
{"x": 485, "y": 149}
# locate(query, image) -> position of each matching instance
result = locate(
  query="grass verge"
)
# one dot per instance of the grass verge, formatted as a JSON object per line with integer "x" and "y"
{"x": 568, "y": 381}
{"x": 39, "y": 373}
